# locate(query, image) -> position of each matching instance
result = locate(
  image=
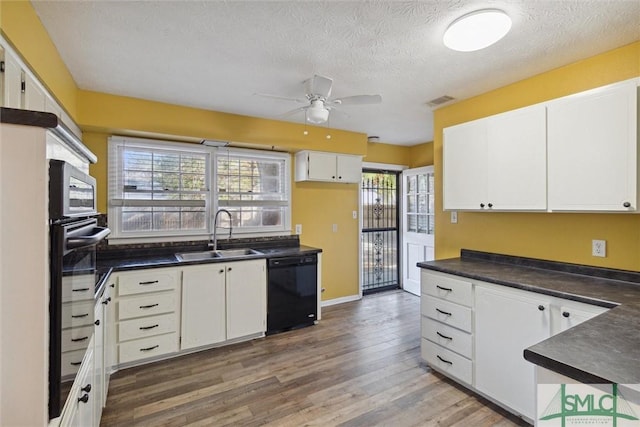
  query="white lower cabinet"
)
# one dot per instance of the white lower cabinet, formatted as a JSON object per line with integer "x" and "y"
{"x": 203, "y": 305}
{"x": 506, "y": 324}
{"x": 476, "y": 333}
{"x": 223, "y": 301}
{"x": 80, "y": 407}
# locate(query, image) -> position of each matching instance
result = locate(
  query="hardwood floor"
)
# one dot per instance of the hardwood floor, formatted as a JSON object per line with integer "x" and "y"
{"x": 360, "y": 366}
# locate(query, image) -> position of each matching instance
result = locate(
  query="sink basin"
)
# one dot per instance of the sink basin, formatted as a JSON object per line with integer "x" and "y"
{"x": 197, "y": 256}
{"x": 221, "y": 253}
{"x": 237, "y": 252}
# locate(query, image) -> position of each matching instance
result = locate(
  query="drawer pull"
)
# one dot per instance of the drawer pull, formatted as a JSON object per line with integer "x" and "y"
{"x": 79, "y": 339}
{"x": 86, "y": 388}
{"x": 144, "y": 328}
{"x": 84, "y": 398}
{"x": 80, "y": 290}
{"x": 151, "y": 282}
{"x": 150, "y": 348}
{"x": 541, "y": 307}
{"x": 148, "y": 306}
{"x": 566, "y": 314}
{"x": 75, "y": 363}
{"x": 107, "y": 301}
{"x": 444, "y": 289}
{"x": 79, "y": 316}
{"x": 444, "y": 360}
{"x": 443, "y": 312}
{"x": 444, "y": 336}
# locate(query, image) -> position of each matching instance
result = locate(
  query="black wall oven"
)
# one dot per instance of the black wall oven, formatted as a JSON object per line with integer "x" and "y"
{"x": 74, "y": 277}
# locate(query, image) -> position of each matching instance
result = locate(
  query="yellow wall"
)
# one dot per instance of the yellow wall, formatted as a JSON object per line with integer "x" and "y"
{"x": 413, "y": 156}
{"x": 421, "y": 155}
{"x": 20, "y": 24}
{"x": 555, "y": 236}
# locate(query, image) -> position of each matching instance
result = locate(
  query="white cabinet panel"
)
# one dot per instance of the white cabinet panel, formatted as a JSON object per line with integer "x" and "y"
{"x": 464, "y": 156}
{"x": 33, "y": 94}
{"x": 147, "y": 305}
{"x": 148, "y": 281}
{"x": 246, "y": 298}
{"x": 148, "y": 347}
{"x": 517, "y": 157}
{"x": 348, "y": 168}
{"x": 12, "y": 82}
{"x": 447, "y": 361}
{"x": 448, "y": 337}
{"x": 446, "y": 312}
{"x": 321, "y": 166}
{"x": 146, "y": 326}
{"x": 447, "y": 287}
{"x": 592, "y": 140}
{"x": 203, "y": 306}
{"x": 506, "y": 322}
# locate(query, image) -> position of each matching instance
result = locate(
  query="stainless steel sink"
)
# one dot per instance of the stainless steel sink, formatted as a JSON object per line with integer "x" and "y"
{"x": 223, "y": 253}
{"x": 197, "y": 256}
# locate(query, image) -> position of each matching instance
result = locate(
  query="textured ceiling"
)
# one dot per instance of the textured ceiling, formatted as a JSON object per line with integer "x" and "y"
{"x": 216, "y": 55}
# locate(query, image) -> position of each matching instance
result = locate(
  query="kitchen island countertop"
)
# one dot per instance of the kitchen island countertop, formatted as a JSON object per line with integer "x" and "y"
{"x": 605, "y": 349}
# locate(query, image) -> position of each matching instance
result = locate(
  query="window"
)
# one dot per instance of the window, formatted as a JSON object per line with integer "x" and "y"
{"x": 254, "y": 188}
{"x": 165, "y": 190}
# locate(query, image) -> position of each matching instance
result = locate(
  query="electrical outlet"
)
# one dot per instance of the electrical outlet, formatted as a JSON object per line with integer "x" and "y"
{"x": 335, "y": 228}
{"x": 298, "y": 229}
{"x": 454, "y": 217}
{"x": 599, "y": 248}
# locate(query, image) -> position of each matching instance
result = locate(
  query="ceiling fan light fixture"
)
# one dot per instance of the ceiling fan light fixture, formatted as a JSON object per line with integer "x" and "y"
{"x": 477, "y": 30}
{"x": 317, "y": 113}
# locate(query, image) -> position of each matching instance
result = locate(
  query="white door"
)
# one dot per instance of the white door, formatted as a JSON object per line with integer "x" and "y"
{"x": 418, "y": 200}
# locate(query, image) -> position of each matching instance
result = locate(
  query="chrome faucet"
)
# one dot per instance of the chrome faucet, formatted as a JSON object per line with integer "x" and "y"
{"x": 213, "y": 243}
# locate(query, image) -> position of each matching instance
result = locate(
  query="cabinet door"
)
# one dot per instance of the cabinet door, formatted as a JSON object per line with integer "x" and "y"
{"x": 349, "y": 168}
{"x": 109, "y": 335}
{"x": 322, "y": 166}
{"x": 507, "y": 322}
{"x": 203, "y": 305}
{"x": 571, "y": 316}
{"x": 83, "y": 406}
{"x": 33, "y": 94}
{"x": 246, "y": 298}
{"x": 592, "y": 143}
{"x": 517, "y": 156}
{"x": 465, "y": 166}
{"x": 12, "y": 85}
{"x": 97, "y": 390}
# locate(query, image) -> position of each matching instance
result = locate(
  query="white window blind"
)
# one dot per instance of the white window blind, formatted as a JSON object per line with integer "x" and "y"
{"x": 254, "y": 187}
{"x": 158, "y": 189}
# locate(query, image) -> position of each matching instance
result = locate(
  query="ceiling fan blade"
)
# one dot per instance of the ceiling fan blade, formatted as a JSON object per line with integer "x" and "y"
{"x": 358, "y": 100}
{"x": 284, "y": 98}
{"x": 319, "y": 85}
{"x": 292, "y": 112}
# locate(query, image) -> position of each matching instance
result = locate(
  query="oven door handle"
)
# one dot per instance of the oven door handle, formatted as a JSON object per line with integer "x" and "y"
{"x": 99, "y": 234}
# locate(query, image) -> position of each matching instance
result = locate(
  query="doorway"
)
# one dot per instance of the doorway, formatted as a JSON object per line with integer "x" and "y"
{"x": 418, "y": 224}
{"x": 380, "y": 235}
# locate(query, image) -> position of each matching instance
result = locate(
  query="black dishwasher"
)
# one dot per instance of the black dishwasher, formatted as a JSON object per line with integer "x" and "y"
{"x": 292, "y": 294}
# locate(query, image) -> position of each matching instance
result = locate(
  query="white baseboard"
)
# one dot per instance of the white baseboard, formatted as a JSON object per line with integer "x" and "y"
{"x": 340, "y": 300}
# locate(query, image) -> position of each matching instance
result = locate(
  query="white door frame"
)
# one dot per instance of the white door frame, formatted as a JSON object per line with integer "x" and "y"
{"x": 381, "y": 167}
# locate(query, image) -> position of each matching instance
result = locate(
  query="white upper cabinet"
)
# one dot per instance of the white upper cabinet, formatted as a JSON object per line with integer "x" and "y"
{"x": 34, "y": 97}
{"x": 11, "y": 81}
{"x": 592, "y": 142}
{"x": 497, "y": 163}
{"x": 465, "y": 166}
{"x": 328, "y": 167}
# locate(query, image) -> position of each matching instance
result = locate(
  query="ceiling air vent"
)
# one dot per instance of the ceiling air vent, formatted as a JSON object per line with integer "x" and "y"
{"x": 439, "y": 101}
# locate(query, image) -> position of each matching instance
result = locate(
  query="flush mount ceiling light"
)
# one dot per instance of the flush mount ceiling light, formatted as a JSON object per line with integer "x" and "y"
{"x": 477, "y": 30}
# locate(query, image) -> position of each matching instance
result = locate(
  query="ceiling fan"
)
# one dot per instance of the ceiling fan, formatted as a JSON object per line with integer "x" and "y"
{"x": 317, "y": 92}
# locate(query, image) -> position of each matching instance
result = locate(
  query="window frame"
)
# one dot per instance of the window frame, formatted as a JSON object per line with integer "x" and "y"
{"x": 115, "y": 179}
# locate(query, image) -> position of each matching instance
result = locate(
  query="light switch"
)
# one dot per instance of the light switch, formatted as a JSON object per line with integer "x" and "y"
{"x": 298, "y": 229}
{"x": 355, "y": 214}
{"x": 335, "y": 228}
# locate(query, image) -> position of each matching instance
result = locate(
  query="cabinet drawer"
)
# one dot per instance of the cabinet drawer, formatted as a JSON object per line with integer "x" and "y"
{"x": 146, "y": 327}
{"x": 147, "y": 281}
{"x": 447, "y": 361}
{"x": 148, "y": 347}
{"x": 447, "y": 288}
{"x": 71, "y": 361}
{"x": 78, "y": 288}
{"x": 76, "y": 338}
{"x": 447, "y": 337}
{"x": 146, "y": 305}
{"x": 446, "y": 312}
{"x": 77, "y": 314}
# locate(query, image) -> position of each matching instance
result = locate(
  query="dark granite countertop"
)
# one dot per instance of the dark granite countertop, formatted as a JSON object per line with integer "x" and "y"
{"x": 138, "y": 261}
{"x": 601, "y": 350}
